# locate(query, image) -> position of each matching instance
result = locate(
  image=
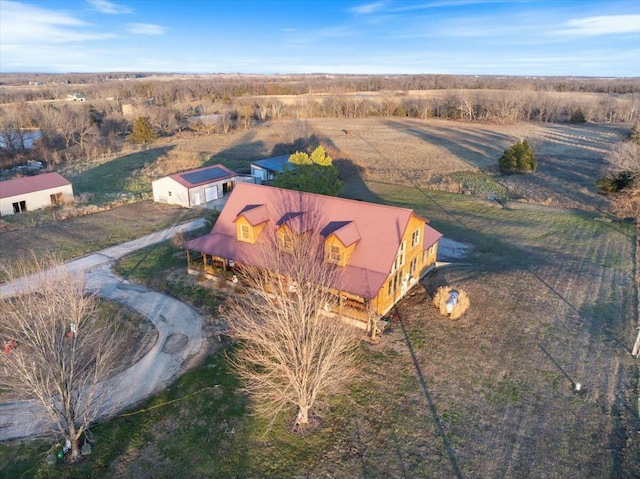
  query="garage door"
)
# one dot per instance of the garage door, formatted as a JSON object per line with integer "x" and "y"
{"x": 211, "y": 193}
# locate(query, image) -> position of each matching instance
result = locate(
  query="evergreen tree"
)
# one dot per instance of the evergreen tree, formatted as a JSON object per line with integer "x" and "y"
{"x": 142, "y": 131}
{"x": 518, "y": 158}
{"x": 313, "y": 173}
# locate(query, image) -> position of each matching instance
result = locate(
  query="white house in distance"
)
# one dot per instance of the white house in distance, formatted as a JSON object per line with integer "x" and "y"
{"x": 195, "y": 187}
{"x": 76, "y": 97}
{"x": 33, "y": 192}
{"x": 266, "y": 170}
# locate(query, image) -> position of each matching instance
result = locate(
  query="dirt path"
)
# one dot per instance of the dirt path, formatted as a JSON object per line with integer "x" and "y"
{"x": 180, "y": 327}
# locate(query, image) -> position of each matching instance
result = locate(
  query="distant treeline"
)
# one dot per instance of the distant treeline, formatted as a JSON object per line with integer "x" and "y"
{"x": 220, "y": 104}
{"x": 170, "y": 88}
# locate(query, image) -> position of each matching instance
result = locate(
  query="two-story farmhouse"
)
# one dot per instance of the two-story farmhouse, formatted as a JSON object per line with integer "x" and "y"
{"x": 382, "y": 251}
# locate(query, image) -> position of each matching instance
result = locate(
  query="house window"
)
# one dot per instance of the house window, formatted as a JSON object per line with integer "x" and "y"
{"x": 19, "y": 206}
{"x": 168, "y": 193}
{"x": 285, "y": 241}
{"x": 56, "y": 198}
{"x": 412, "y": 266}
{"x": 245, "y": 233}
{"x": 415, "y": 237}
{"x": 393, "y": 283}
{"x": 334, "y": 254}
{"x": 400, "y": 258}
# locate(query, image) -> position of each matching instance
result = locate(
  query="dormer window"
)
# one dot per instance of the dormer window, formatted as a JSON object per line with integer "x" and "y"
{"x": 335, "y": 255}
{"x": 245, "y": 233}
{"x": 286, "y": 242}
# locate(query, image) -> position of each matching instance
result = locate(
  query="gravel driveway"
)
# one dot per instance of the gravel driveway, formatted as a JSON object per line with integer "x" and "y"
{"x": 179, "y": 326}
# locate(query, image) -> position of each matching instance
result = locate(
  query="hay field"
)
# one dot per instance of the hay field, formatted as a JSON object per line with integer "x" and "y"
{"x": 426, "y": 152}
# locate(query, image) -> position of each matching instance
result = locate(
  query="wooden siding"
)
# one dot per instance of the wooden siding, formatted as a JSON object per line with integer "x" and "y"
{"x": 403, "y": 279}
{"x": 254, "y": 231}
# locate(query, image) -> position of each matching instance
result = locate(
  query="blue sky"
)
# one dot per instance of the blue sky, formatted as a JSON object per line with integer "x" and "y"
{"x": 514, "y": 37}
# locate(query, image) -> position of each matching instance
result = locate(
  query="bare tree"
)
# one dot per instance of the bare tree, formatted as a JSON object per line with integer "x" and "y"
{"x": 625, "y": 162}
{"x": 63, "y": 348}
{"x": 626, "y": 157}
{"x": 292, "y": 354}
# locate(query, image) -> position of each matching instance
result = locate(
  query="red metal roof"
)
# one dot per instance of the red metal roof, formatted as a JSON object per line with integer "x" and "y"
{"x": 218, "y": 173}
{"x": 378, "y": 230}
{"x": 29, "y": 184}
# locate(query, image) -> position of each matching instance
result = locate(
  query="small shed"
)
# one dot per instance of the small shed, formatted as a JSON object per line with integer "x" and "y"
{"x": 33, "y": 192}
{"x": 266, "y": 170}
{"x": 194, "y": 187}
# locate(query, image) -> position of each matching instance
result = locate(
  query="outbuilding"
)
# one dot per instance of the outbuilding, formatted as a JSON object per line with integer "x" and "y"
{"x": 194, "y": 187}
{"x": 267, "y": 169}
{"x": 33, "y": 192}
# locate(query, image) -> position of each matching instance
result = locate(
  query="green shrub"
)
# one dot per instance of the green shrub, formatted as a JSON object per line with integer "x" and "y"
{"x": 400, "y": 111}
{"x": 577, "y": 117}
{"x": 614, "y": 184}
{"x": 518, "y": 159}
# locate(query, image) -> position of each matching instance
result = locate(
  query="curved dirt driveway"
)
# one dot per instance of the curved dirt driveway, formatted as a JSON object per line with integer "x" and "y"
{"x": 180, "y": 337}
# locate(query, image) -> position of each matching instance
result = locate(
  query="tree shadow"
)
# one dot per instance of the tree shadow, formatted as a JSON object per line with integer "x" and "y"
{"x": 451, "y": 454}
{"x": 477, "y": 148}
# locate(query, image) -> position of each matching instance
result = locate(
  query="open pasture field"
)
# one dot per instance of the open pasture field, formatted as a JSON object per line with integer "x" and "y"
{"x": 429, "y": 153}
{"x": 553, "y": 304}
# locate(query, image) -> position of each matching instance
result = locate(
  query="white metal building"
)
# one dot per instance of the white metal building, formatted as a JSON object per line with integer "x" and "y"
{"x": 195, "y": 187}
{"x": 33, "y": 192}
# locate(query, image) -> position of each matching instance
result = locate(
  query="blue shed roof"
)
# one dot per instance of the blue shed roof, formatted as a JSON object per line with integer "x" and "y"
{"x": 275, "y": 163}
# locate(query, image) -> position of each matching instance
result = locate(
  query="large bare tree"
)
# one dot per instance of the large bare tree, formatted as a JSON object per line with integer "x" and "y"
{"x": 57, "y": 347}
{"x": 292, "y": 355}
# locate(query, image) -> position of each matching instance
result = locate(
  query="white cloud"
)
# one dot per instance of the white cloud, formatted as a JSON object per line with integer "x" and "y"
{"x": 104, "y": 6}
{"x": 603, "y": 25}
{"x": 368, "y": 8}
{"x": 22, "y": 24}
{"x": 145, "y": 29}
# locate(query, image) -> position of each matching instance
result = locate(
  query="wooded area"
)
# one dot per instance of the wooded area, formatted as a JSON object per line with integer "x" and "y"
{"x": 220, "y": 104}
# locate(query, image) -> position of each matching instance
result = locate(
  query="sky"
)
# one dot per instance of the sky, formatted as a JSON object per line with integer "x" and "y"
{"x": 599, "y": 38}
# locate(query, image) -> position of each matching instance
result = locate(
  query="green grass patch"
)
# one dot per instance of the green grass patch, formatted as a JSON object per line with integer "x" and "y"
{"x": 152, "y": 265}
{"x": 503, "y": 392}
{"x": 480, "y": 184}
{"x": 110, "y": 180}
{"x": 199, "y": 427}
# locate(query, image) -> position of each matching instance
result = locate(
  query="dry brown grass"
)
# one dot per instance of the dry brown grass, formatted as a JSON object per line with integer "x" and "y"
{"x": 423, "y": 153}
{"x": 442, "y": 296}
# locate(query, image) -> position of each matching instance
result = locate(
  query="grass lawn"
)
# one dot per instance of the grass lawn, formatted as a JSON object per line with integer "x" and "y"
{"x": 110, "y": 180}
{"x": 85, "y": 234}
{"x": 489, "y": 395}
{"x": 119, "y": 177}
